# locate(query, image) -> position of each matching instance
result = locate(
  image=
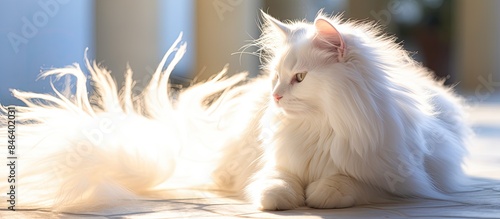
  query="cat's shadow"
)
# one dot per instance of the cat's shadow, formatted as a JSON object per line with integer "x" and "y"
{"x": 480, "y": 200}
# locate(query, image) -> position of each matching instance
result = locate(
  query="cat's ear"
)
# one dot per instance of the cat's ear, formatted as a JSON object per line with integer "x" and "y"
{"x": 278, "y": 25}
{"x": 328, "y": 37}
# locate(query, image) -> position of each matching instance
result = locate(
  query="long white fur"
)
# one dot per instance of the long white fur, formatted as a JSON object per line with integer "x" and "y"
{"x": 370, "y": 123}
{"x": 78, "y": 152}
{"x": 362, "y": 125}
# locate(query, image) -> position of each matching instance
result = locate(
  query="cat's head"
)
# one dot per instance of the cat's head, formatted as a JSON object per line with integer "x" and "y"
{"x": 306, "y": 62}
{"x": 348, "y": 74}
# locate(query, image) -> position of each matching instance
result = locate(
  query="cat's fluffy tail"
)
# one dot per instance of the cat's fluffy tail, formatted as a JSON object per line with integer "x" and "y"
{"x": 75, "y": 152}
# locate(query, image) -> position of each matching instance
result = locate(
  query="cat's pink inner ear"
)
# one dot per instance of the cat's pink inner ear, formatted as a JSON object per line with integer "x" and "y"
{"x": 328, "y": 37}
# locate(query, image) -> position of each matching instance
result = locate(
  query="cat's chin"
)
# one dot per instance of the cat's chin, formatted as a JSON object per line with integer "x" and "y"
{"x": 288, "y": 111}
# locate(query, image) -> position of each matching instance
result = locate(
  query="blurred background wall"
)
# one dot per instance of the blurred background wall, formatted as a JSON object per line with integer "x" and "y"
{"x": 457, "y": 39}
{"x": 39, "y": 35}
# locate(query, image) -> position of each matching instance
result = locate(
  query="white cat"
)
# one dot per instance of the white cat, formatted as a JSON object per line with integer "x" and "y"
{"x": 354, "y": 117}
{"x": 349, "y": 117}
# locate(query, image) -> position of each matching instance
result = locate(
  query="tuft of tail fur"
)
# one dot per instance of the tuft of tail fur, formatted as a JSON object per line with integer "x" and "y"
{"x": 76, "y": 152}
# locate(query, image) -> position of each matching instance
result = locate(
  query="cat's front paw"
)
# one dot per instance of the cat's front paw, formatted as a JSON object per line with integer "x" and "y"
{"x": 277, "y": 194}
{"x": 332, "y": 192}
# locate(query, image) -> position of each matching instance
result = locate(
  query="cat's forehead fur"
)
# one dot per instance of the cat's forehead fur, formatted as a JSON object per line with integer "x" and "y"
{"x": 272, "y": 37}
{"x": 297, "y": 52}
{"x": 292, "y": 51}
{"x": 273, "y": 41}
{"x": 299, "y": 33}
{"x": 293, "y": 54}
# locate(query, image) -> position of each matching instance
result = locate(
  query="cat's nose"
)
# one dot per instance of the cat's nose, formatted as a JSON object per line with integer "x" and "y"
{"x": 277, "y": 97}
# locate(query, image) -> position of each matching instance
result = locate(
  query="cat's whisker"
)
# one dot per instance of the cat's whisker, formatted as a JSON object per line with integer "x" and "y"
{"x": 342, "y": 132}
{"x": 354, "y": 121}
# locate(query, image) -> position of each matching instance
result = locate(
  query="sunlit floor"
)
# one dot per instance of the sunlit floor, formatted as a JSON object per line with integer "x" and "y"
{"x": 483, "y": 201}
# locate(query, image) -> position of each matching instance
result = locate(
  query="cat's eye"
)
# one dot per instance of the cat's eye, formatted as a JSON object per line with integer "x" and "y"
{"x": 299, "y": 77}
